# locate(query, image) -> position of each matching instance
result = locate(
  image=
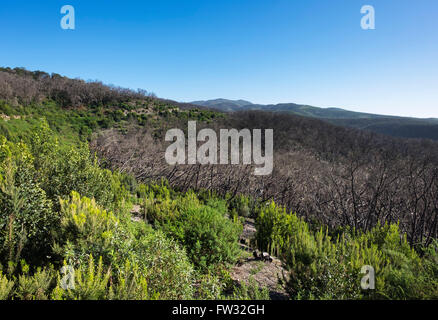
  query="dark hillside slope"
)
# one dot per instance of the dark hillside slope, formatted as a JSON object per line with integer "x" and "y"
{"x": 402, "y": 127}
{"x": 341, "y": 177}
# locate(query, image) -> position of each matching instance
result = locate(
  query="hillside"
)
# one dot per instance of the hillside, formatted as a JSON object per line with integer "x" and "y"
{"x": 84, "y": 186}
{"x": 223, "y": 104}
{"x": 389, "y": 125}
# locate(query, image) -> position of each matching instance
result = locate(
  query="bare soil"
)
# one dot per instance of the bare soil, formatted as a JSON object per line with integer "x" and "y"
{"x": 270, "y": 275}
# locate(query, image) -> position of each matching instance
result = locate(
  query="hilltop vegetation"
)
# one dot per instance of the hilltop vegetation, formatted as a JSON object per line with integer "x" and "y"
{"x": 63, "y": 205}
{"x": 75, "y": 108}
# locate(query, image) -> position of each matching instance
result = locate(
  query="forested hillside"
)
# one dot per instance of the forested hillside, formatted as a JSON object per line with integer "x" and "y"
{"x": 84, "y": 187}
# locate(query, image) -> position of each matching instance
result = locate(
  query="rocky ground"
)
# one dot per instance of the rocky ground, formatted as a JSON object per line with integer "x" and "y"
{"x": 266, "y": 270}
{"x": 135, "y": 213}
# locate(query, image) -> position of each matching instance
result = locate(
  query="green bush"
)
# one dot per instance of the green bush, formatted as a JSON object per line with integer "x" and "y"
{"x": 87, "y": 229}
{"x": 6, "y": 287}
{"x": 208, "y": 235}
{"x": 130, "y": 284}
{"x": 169, "y": 271}
{"x": 96, "y": 282}
{"x": 325, "y": 268}
{"x": 91, "y": 282}
{"x": 26, "y": 216}
{"x": 35, "y": 287}
{"x": 250, "y": 291}
{"x": 204, "y": 229}
{"x": 242, "y": 205}
{"x": 62, "y": 169}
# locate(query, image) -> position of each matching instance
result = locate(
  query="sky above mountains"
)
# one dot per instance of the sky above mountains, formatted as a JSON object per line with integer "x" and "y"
{"x": 309, "y": 52}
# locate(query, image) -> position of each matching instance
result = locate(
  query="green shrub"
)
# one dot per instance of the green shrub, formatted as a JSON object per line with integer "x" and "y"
{"x": 325, "y": 268}
{"x": 210, "y": 287}
{"x": 130, "y": 284}
{"x": 169, "y": 271}
{"x": 35, "y": 287}
{"x": 250, "y": 291}
{"x": 205, "y": 230}
{"x": 62, "y": 169}
{"x": 26, "y": 216}
{"x": 85, "y": 228}
{"x": 91, "y": 282}
{"x": 242, "y": 205}
{"x": 208, "y": 235}
{"x": 6, "y": 287}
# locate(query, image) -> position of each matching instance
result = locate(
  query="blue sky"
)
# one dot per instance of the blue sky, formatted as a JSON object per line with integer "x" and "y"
{"x": 312, "y": 52}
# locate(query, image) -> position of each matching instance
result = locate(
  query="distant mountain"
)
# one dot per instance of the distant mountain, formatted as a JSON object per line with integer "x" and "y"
{"x": 223, "y": 104}
{"x": 391, "y": 125}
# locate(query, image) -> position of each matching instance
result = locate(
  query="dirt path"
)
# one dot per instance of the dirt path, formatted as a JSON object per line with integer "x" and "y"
{"x": 269, "y": 274}
{"x": 135, "y": 213}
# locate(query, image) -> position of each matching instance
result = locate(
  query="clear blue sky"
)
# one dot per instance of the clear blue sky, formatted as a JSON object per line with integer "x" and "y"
{"x": 265, "y": 51}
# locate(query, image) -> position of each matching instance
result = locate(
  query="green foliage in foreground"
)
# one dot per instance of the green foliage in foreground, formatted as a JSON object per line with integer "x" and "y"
{"x": 325, "y": 268}
{"x": 210, "y": 237}
{"x": 46, "y": 224}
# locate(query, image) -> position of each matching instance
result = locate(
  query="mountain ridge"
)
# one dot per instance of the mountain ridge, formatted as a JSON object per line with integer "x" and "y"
{"x": 405, "y": 127}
